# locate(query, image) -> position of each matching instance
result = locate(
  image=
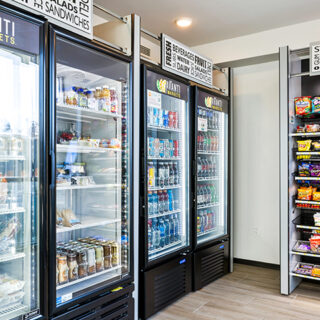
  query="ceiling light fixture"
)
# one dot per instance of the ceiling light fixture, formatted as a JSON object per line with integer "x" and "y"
{"x": 183, "y": 22}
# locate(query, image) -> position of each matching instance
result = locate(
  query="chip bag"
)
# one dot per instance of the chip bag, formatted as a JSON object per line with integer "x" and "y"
{"x": 316, "y": 196}
{"x": 315, "y": 170}
{"x": 304, "y": 169}
{"x": 303, "y": 105}
{"x": 305, "y": 193}
{"x": 304, "y": 145}
{"x": 316, "y": 105}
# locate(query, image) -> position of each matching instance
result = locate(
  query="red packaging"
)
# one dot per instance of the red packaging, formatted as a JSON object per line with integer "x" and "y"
{"x": 171, "y": 119}
{"x": 175, "y": 148}
{"x": 175, "y": 120}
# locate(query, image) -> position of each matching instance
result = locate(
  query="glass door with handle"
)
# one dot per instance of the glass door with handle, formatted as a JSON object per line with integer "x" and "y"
{"x": 21, "y": 61}
{"x": 92, "y": 148}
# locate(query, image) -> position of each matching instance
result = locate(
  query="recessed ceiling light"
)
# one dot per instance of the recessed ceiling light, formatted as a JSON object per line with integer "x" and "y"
{"x": 183, "y": 22}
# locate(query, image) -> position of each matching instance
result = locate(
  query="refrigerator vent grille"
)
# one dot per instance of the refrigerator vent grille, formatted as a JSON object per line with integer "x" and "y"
{"x": 169, "y": 286}
{"x": 145, "y": 51}
{"x": 212, "y": 267}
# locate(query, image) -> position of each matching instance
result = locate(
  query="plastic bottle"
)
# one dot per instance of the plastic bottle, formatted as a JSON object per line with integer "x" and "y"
{"x": 105, "y": 99}
{"x": 162, "y": 233}
{"x": 153, "y": 234}
{"x": 114, "y": 100}
{"x": 199, "y": 167}
{"x": 171, "y": 228}
{"x": 167, "y": 231}
{"x": 176, "y": 173}
{"x": 166, "y": 201}
{"x": 150, "y": 203}
{"x": 166, "y": 173}
{"x": 155, "y": 203}
{"x": 157, "y": 234}
{"x": 176, "y": 228}
{"x": 150, "y": 244}
{"x": 161, "y": 171}
{"x": 170, "y": 196}
{"x": 171, "y": 173}
{"x": 160, "y": 202}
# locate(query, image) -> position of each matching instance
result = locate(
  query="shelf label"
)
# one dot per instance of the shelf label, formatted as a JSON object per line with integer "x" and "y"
{"x": 183, "y": 61}
{"x": 64, "y": 298}
{"x": 315, "y": 58}
{"x": 76, "y": 14}
{"x": 202, "y": 124}
{"x": 32, "y": 314}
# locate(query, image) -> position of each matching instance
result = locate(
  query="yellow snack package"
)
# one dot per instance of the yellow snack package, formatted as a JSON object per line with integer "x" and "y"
{"x": 304, "y": 145}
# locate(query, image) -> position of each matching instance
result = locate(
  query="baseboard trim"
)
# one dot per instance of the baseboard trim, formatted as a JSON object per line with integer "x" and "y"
{"x": 257, "y": 263}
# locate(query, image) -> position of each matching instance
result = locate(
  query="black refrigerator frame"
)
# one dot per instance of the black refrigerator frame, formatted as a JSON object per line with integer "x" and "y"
{"x": 211, "y": 246}
{"x": 43, "y": 154}
{"x": 143, "y": 257}
{"x": 97, "y": 291}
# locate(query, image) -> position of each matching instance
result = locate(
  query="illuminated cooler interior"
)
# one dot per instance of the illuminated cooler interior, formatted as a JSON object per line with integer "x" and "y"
{"x": 217, "y": 207}
{"x": 179, "y": 190}
{"x": 92, "y": 167}
{"x": 19, "y": 184}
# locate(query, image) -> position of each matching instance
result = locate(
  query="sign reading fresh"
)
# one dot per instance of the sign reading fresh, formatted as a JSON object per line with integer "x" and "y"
{"x": 74, "y": 13}
{"x": 181, "y": 60}
{"x": 314, "y": 58}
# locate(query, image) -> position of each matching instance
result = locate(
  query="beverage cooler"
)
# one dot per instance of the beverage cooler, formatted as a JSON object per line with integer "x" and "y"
{"x": 210, "y": 172}
{"x": 165, "y": 187}
{"x": 299, "y": 170}
{"x": 21, "y": 155}
{"x": 90, "y": 227}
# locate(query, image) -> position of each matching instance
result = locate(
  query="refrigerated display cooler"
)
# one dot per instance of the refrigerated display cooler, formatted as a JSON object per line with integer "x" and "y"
{"x": 299, "y": 170}
{"x": 165, "y": 190}
{"x": 21, "y": 174}
{"x": 210, "y": 171}
{"x": 90, "y": 228}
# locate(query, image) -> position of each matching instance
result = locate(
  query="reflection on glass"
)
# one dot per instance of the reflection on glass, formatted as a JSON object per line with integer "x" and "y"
{"x": 91, "y": 170}
{"x": 167, "y": 170}
{"x": 19, "y": 133}
{"x": 211, "y": 172}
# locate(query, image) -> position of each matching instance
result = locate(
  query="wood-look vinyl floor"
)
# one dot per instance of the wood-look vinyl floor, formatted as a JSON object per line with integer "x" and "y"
{"x": 249, "y": 293}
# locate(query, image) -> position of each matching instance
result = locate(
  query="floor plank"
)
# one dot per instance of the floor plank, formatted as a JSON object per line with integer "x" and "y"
{"x": 247, "y": 293}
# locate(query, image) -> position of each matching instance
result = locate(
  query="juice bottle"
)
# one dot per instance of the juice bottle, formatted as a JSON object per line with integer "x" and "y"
{"x": 97, "y": 95}
{"x": 105, "y": 99}
{"x": 114, "y": 100}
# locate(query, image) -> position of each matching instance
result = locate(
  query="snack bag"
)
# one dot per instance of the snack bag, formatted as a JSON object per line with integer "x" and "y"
{"x": 316, "y": 271}
{"x": 316, "y": 105}
{"x": 315, "y": 170}
{"x": 303, "y": 105}
{"x": 305, "y": 193}
{"x": 304, "y": 169}
{"x": 312, "y": 127}
{"x": 316, "y": 145}
{"x": 316, "y": 196}
{"x": 304, "y": 145}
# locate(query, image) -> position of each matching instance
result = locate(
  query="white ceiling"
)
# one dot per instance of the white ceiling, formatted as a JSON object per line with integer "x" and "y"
{"x": 215, "y": 20}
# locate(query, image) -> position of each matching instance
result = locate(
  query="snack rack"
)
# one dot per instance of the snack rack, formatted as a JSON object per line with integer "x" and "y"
{"x": 299, "y": 169}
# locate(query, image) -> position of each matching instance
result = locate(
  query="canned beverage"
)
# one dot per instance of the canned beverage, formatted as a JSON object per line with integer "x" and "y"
{"x": 175, "y": 120}
{"x": 171, "y": 119}
{"x": 156, "y": 118}
{"x": 151, "y": 152}
{"x": 115, "y": 254}
{"x": 161, "y": 148}
{"x": 171, "y": 148}
{"x": 108, "y": 262}
{"x": 99, "y": 258}
{"x": 73, "y": 266}
{"x": 91, "y": 260}
{"x": 106, "y": 249}
{"x": 166, "y": 148}
{"x": 175, "y": 148}
{"x": 165, "y": 118}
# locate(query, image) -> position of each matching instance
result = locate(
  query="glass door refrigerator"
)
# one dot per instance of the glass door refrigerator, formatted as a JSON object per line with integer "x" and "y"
{"x": 210, "y": 172}
{"x": 21, "y": 153}
{"x": 90, "y": 147}
{"x": 165, "y": 200}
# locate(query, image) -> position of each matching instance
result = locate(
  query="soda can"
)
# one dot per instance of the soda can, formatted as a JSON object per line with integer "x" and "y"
{"x": 156, "y": 147}
{"x": 165, "y": 118}
{"x": 171, "y": 148}
{"x": 171, "y": 119}
{"x": 166, "y": 148}
{"x": 175, "y": 120}
{"x": 156, "y": 120}
{"x": 115, "y": 254}
{"x": 175, "y": 148}
{"x": 161, "y": 148}
{"x": 151, "y": 146}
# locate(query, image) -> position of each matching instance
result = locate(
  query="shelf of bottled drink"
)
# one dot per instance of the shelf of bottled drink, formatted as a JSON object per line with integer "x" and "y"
{"x": 165, "y": 249}
{"x": 164, "y": 158}
{"x": 203, "y": 233}
{"x": 200, "y": 179}
{"x": 208, "y": 152}
{"x": 164, "y": 214}
{"x": 168, "y": 187}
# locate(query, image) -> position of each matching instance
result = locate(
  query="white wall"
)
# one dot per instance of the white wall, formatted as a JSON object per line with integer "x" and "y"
{"x": 297, "y": 36}
{"x": 256, "y": 162}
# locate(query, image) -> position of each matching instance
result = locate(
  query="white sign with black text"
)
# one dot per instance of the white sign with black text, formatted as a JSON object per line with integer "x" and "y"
{"x": 76, "y": 14}
{"x": 181, "y": 60}
{"x": 315, "y": 58}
